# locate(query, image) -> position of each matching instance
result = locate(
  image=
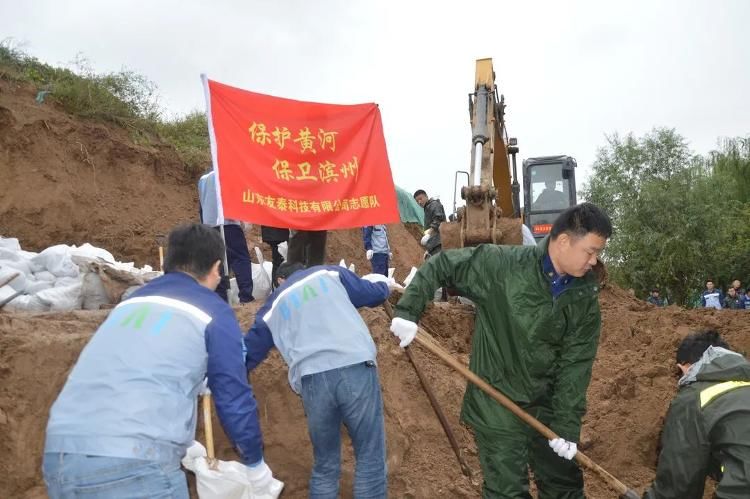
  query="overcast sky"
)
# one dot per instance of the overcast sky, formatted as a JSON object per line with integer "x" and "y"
{"x": 571, "y": 71}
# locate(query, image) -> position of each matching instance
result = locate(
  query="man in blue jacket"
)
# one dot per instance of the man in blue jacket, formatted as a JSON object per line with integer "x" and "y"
{"x": 312, "y": 319}
{"x": 377, "y": 249}
{"x": 127, "y": 412}
{"x": 711, "y": 296}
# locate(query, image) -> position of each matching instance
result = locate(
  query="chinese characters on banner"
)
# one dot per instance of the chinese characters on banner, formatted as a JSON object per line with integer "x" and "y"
{"x": 301, "y": 165}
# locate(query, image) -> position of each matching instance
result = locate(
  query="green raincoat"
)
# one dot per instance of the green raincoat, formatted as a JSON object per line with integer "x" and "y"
{"x": 535, "y": 349}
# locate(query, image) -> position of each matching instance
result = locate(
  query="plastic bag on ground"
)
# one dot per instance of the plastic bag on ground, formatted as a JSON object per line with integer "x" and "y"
{"x": 228, "y": 481}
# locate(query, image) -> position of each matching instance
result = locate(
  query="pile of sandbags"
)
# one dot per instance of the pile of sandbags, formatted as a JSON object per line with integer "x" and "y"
{"x": 63, "y": 278}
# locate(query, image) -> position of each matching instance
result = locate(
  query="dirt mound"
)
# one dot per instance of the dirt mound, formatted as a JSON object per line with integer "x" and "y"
{"x": 632, "y": 385}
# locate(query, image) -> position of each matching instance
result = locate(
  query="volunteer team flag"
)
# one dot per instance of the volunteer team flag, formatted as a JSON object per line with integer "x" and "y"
{"x": 301, "y": 165}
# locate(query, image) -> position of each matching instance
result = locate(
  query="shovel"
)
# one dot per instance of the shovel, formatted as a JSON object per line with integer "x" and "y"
{"x": 424, "y": 339}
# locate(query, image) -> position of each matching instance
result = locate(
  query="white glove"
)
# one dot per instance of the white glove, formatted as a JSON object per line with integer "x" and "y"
{"x": 404, "y": 330}
{"x": 563, "y": 448}
{"x": 262, "y": 481}
{"x": 390, "y": 281}
{"x": 424, "y": 239}
{"x": 390, "y": 256}
{"x": 369, "y": 254}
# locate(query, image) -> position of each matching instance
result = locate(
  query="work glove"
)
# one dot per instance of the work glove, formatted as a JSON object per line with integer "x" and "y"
{"x": 263, "y": 484}
{"x": 563, "y": 448}
{"x": 369, "y": 254}
{"x": 390, "y": 281}
{"x": 404, "y": 330}
{"x": 390, "y": 256}
{"x": 426, "y": 237}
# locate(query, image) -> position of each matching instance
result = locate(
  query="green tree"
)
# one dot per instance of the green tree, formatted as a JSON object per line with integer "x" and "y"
{"x": 676, "y": 221}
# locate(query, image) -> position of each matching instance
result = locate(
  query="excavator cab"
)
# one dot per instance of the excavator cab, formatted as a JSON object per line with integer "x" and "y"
{"x": 549, "y": 188}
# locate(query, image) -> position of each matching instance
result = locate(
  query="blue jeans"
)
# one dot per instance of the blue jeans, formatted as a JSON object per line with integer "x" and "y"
{"x": 69, "y": 476}
{"x": 349, "y": 395}
{"x": 379, "y": 263}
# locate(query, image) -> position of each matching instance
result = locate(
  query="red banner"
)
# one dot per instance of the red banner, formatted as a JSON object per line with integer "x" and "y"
{"x": 301, "y": 165}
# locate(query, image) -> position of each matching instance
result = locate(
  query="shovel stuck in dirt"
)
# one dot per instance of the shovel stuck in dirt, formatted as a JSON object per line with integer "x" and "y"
{"x": 426, "y": 340}
{"x": 217, "y": 479}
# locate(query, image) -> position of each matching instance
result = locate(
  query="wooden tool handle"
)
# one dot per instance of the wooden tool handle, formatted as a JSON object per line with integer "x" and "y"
{"x": 430, "y": 344}
{"x": 208, "y": 427}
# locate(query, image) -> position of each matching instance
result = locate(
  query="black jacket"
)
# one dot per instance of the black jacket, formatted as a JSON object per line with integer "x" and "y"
{"x": 273, "y": 234}
{"x": 434, "y": 215}
{"x": 707, "y": 431}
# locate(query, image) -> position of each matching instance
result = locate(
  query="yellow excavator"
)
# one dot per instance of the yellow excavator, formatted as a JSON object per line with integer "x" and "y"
{"x": 492, "y": 212}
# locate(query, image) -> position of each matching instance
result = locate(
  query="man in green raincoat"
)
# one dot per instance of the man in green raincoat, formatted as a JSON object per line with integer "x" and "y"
{"x": 535, "y": 339}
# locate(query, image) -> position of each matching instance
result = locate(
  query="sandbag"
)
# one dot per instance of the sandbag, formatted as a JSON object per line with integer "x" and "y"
{"x": 16, "y": 260}
{"x": 93, "y": 293}
{"x": 228, "y": 481}
{"x": 18, "y": 283}
{"x": 56, "y": 259}
{"x": 26, "y": 303}
{"x": 89, "y": 251}
{"x": 10, "y": 243}
{"x": 33, "y": 287}
{"x": 44, "y": 276}
{"x": 261, "y": 278}
{"x": 63, "y": 298}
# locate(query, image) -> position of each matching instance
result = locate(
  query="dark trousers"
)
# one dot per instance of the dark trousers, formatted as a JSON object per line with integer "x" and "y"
{"x": 507, "y": 452}
{"x": 277, "y": 260}
{"x": 238, "y": 259}
{"x": 379, "y": 263}
{"x": 307, "y": 247}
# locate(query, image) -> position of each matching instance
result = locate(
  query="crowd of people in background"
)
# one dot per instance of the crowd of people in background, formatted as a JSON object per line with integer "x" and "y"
{"x": 734, "y": 298}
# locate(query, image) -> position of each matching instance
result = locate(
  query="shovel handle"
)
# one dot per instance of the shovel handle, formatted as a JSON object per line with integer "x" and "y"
{"x": 424, "y": 339}
{"x": 208, "y": 427}
{"x": 433, "y": 401}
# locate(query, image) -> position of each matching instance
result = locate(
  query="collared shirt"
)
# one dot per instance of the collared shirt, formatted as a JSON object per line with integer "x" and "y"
{"x": 559, "y": 282}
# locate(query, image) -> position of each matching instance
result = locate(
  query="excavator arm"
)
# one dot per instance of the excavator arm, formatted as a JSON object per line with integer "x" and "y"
{"x": 489, "y": 215}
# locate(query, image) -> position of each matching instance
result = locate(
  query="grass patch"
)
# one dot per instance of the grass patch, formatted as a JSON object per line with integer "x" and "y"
{"x": 125, "y": 98}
